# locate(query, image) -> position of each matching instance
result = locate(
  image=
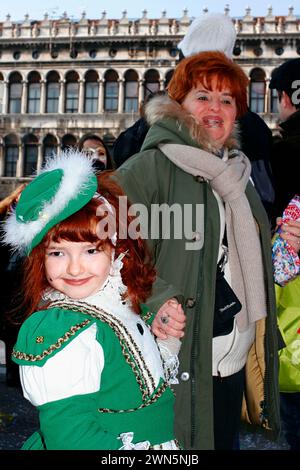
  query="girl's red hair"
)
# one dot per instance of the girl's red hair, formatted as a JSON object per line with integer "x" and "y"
{"x": 138, "y": 273}
{"x": 203, "y": 68}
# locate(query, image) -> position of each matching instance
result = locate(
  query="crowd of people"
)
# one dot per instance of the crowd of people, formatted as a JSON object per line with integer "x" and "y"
{"x": 161, "y": 341}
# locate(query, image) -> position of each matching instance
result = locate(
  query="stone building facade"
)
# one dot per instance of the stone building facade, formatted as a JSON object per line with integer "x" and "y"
{"x": 61, "y": 79}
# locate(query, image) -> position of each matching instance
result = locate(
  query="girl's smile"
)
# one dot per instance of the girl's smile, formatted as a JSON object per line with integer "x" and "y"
{"x": 77, "y": 269}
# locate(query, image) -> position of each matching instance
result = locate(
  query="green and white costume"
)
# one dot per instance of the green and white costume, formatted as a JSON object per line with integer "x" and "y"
{"x": 95, "y": 373}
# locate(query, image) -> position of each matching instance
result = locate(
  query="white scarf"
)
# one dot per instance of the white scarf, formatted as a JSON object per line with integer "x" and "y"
{"x": 229, "y": 179}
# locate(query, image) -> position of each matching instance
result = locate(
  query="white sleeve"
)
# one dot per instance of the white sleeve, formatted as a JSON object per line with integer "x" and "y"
{"x": 75, "y": 370}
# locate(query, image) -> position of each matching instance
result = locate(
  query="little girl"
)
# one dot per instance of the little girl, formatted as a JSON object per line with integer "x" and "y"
{"x": 88, "y": 360}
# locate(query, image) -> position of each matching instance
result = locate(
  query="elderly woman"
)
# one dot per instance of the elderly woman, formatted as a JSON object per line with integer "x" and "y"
{"x": 191, "y": 159}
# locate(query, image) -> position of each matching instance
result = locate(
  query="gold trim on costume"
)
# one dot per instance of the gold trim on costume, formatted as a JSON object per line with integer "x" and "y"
{"x": 130, "y": 350}
{"x": 39, "y": 357}
{"x": 152, "y": 400}
{"x": 147, "y": 316}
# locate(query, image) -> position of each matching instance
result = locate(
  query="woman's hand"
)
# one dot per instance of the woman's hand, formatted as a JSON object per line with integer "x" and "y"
{"x": 290, "y": 231}
{"x": 169, "y": 320}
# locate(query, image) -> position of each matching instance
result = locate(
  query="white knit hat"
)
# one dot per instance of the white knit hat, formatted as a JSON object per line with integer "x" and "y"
{"x": 209, "y": 32}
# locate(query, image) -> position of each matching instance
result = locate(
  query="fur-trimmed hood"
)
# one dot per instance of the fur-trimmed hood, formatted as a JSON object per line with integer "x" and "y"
{"x": 162, "y": 107}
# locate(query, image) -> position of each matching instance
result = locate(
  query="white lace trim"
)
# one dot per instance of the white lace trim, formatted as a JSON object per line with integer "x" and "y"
{"x": 169, "y": 349}
{"x": 127, "y": 438}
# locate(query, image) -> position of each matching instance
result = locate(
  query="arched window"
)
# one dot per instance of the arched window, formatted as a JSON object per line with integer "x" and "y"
{"x": 72, "y": 92}
{"x": 111, "y": 91}
{"x": 15, "y": 92}
{"x": 151, "y": 82}
{"x": 131, "y": 92}
{"x": 91, "y": 92}
{"x": 34, "y": 93}
{"x": 257, "y": 91}
{"x": 68, "y": 141}
{"x": 1, "y": 92}
{"x": 49, "y": 146}
{"x": 168, "y": 77}
{"x": 52, "y": 92}
{"x": 11, "y": 155}
{"x": 30, "y": 154}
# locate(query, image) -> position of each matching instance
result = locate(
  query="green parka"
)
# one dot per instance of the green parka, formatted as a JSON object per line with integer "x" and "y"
{"x": 150, "y": 178}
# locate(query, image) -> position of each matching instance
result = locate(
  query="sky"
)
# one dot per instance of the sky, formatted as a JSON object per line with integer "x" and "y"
{"x": 93, "y": 8}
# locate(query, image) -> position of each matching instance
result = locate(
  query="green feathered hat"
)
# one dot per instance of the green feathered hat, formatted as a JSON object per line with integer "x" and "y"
{"x": 65, "y": 185}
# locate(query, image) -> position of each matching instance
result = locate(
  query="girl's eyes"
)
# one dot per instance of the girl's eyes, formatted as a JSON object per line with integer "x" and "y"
{"x": 55, "y": 253}
{"x": 92, "y": 251}
{"x": 203, "y": 98}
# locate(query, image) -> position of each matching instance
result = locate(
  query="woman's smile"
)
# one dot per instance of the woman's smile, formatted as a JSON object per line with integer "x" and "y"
{"x": 212, "y": 121}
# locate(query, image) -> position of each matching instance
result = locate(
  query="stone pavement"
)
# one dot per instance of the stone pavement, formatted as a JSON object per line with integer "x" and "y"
{"x": 18, "y": 419}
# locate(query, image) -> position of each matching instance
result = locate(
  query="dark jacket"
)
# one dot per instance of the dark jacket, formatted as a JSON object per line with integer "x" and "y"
{"x": 285, "y": 154}
{"x": 256, "y": 143}
{"x": 150, "y": 178}
{"x": 130, "y": 141}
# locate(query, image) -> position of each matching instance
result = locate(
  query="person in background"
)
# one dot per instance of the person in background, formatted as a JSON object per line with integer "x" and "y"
{"x": 215, "y": 31}
{"x": 191, "y": 157}
{"x": 11, "y": 199}
{"x": 10, "y": 278}
{"x": 93, "y": 145}
{"x": 88, "y": 361}
{"x": 286, "y": 149}
{"x": 130, "y": 141}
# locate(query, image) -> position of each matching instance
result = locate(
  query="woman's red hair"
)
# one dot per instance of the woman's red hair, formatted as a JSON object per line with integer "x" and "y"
{"x": 203, "y": 68}
{"x": 138, "y": 273}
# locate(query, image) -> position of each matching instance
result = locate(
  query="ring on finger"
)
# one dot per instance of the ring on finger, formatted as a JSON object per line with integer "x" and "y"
{"x": 164, "y": 319}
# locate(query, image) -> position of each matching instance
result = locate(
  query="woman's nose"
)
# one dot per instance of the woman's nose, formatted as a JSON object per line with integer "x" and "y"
{"x": 215, "y": 104}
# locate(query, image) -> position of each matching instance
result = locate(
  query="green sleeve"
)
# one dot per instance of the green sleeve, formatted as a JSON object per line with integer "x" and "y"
{"x": 138, "y": 182}
{"x": 161, "y": 292}
{"x": 74, "y": 424}
{"x": 47, "y": 332}
{"x": 147, "y": 315}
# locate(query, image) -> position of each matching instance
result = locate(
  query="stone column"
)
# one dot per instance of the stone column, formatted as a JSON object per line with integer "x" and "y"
{"x": 2, "y": 159}
{"x": 141, "y": 91}
{"x": 40, "y": 157}
{"x": 5, "y": 97}
{"x": 24, "y": 96}
{"x": 20, "y": 162}
{"x": 121, "y": 96}
{"x": 61, "y": 104}
{"x": 101, "y": 96}
{"x": 267, "y": 94}
{"x": 43, "y": 97}
{"x": 161, "y": 84}
{"x": 81, "y": 96}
